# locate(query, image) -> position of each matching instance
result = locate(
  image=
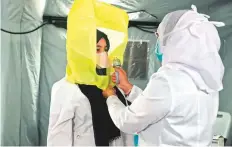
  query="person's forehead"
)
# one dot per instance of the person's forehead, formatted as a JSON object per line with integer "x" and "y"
{"x": 101, "y": 44}
{"x": 102, "y": 40}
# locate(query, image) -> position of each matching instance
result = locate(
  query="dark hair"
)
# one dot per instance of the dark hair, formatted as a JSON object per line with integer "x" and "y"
{"x": 101, "y": 35}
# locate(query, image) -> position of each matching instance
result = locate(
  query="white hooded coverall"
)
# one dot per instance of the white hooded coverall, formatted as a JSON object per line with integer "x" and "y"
{"x": 180, "y": 103}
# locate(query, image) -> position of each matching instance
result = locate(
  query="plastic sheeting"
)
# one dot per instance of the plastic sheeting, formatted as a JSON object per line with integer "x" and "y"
{"x": 20, "y": 71}
{"x": 225, "y": 103}
{"x": 139, "y": 37}
{"x": 222, "y": 11}
{"x": 58, "y": 7}
{"x": 27, "y": 67}
{"x": 135, "y": 63}
{"x": 159, "y": 7}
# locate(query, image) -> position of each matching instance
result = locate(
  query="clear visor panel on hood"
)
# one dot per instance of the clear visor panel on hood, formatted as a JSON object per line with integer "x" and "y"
{"x": 106, "y": 42}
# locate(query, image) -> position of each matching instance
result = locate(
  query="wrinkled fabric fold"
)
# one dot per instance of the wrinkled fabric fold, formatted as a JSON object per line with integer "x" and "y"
{"x": 191, "y": 45}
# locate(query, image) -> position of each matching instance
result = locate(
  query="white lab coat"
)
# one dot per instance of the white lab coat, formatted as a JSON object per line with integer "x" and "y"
{"x": 70, "y": 122}
{"x": 170, "y": 111}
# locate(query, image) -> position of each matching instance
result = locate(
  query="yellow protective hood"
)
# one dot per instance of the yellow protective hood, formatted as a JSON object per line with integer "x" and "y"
{"x": 85, "y": 17}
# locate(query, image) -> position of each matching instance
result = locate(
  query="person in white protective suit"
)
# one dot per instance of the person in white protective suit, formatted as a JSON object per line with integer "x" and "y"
{"x": 180, "y": 103}
{"x": 79, "y": 114}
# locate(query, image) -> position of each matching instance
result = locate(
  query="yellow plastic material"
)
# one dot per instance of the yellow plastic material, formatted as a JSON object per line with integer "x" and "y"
{"x": 85, "y": 17}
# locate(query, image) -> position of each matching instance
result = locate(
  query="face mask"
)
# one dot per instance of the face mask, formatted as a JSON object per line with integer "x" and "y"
{"x": 158, "y": 54}
{"x": 102, "y": 60}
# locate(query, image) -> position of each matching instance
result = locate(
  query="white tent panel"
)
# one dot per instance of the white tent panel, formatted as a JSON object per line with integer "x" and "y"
{"x": 58, "y": 7}
{"x": 20, "y": 60}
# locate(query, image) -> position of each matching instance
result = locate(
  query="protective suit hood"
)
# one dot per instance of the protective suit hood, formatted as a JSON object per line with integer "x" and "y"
{"x": 190, "y": 43}
{"x": 84, "y": 19}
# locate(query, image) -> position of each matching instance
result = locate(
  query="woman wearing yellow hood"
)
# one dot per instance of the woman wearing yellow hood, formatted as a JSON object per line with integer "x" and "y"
{"x": 79, "y": 115}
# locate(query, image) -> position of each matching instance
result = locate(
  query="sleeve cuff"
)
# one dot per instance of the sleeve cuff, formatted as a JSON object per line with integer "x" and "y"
{"x": 135, "y": 92}
{"x": 113, "y": 100}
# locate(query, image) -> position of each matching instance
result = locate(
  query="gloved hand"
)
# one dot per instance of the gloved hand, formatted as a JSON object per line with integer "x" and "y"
{"x": 124, "y": 83}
